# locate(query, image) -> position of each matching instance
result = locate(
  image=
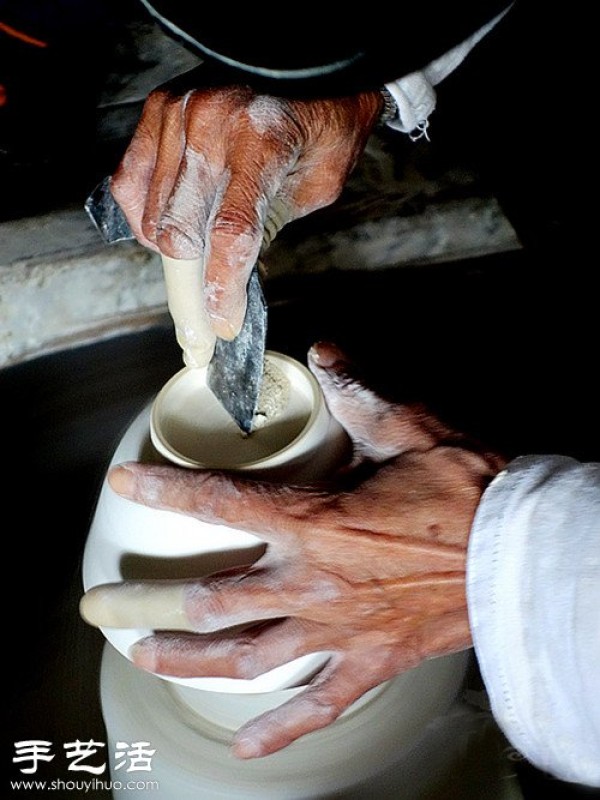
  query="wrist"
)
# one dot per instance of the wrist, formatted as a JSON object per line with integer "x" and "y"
{"x": 389, "y": 107}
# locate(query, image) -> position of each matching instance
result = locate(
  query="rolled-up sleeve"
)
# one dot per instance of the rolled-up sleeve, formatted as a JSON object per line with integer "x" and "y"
{"x": 533, "y": 589}
{"x": 415, "y": 94}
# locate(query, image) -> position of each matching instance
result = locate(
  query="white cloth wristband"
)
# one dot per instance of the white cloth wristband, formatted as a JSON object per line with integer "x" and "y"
{"x": 415, "y": 94}
{"x": 533, "y": 593}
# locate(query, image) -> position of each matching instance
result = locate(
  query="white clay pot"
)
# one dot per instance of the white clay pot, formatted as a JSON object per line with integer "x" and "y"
{"x": 190, "y": 721}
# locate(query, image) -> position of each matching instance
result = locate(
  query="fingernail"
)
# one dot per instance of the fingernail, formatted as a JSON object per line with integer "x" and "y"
{"x": 97, "y": 607}
{"x": 121, "y": 480}
{"x": 325, "y": 354}
{"x": 224, "y": 328}
{"x": 144, "y": 655}
{"x": 246, "y": 748}
{"x": 226, "y": 309}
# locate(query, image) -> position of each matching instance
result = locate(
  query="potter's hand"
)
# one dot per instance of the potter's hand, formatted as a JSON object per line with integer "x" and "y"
{"x": 372, "y": 572}
{"x": 207, "y": 170}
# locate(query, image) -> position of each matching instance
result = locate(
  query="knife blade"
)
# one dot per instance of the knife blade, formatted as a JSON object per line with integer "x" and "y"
{"x": 236, "y": 369}
{"x": 107, "y": 215}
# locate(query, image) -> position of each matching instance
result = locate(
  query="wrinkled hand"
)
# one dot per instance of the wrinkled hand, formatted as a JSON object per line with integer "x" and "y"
{"x": 372, "y": 570}
{"x": 205, "y": 170}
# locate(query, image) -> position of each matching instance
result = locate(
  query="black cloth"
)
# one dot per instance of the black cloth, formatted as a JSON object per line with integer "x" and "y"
{"x": 315, "y": 53}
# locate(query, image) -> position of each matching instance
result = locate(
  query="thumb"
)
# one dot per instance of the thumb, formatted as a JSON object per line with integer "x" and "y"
{"x": 379, "y": 428}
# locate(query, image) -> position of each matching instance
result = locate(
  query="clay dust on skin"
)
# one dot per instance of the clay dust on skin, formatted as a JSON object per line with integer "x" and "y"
{"x": 186, "y": 217}
{"x": 357, "y": 404}
{"x": 224, "y": 306}
{"x": 266, "y": 114}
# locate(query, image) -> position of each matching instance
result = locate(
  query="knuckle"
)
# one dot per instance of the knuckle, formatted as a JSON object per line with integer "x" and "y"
{"x": 203, "y": 606}
{"x": 241, "y": 217}
{"x": 175, "y": 238}
{"x": 157, "y": 97}
{"x": 323, "y": 710}
{"x": 247, "y": 661}
{"x": 410, "y": 652}
{"x": 149, "y": 227}
{"x": 197, "y": 100}
{"x": 332, "y": 187}
{"x": 209, "y": 612}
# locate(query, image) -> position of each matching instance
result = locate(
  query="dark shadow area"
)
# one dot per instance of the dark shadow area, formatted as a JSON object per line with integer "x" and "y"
{"x": 502, "y": 347}
{"x": 136, "y": 567}
{"x": 55, "y": 59}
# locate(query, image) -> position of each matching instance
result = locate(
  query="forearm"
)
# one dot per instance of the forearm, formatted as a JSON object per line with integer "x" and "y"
{"x": 533, "y": 588}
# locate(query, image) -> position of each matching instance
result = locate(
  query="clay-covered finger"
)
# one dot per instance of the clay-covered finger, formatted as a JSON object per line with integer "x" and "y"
{"x": 185, "y": 298}
{"x": 224, "y": 600}
{"x": 136, "y": 605}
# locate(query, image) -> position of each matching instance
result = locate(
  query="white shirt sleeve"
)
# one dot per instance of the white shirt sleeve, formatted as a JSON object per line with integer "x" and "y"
{"x": 533, "y": 590}
{"x": 415, "y": 95}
